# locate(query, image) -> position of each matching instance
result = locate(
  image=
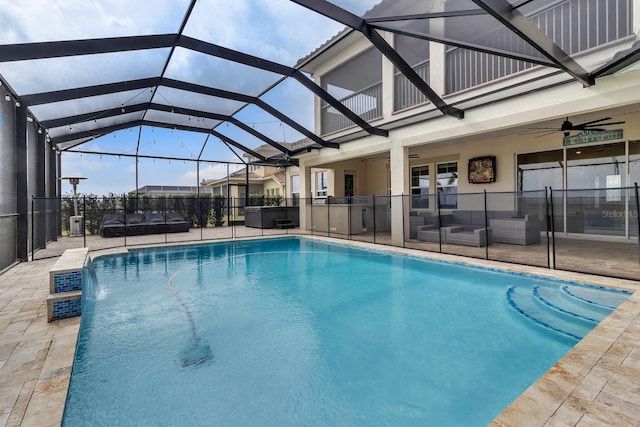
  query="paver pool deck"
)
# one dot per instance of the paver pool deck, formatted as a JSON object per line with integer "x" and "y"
{"x": 597, "y": 383}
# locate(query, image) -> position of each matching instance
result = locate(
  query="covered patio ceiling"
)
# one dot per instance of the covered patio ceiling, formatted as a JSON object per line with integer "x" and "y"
{"x": 87, "y": 69}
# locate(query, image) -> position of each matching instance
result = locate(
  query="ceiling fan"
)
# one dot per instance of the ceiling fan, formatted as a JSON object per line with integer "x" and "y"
{"x": 567, "y": 127}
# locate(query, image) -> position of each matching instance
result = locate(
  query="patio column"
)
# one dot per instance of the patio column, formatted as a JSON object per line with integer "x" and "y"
{"x": 305, "y": 194}
{"x": 399, "y": 159}
{"x": 388, "y": 71}
{"x": 437, "y": 54}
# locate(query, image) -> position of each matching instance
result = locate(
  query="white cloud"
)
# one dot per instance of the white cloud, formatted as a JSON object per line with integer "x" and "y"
{"x": 51, "y": 20}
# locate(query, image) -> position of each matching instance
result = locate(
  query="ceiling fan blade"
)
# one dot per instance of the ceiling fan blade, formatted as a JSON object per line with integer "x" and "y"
{"x": 547, "y": 134}
{"x": 594, "y": 121}
{"x": 604, "y": 124}
{"x": 534, "y": 132}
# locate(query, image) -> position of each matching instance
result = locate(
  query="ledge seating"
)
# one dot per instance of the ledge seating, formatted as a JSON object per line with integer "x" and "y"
{"x": 115, "y": 225}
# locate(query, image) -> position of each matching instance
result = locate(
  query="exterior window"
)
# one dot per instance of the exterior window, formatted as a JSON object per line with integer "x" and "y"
{"x": 540, "y": 170}
{"x": 447, "y": 182}
{"x": 600, "y": 166}
{"x": 420, "y": 187}
{"x": 321, "y": 184}
{"x": 295, "y": 189}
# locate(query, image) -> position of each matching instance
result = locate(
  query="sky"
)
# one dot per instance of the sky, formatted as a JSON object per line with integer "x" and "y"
{"x": 277, "y": 30}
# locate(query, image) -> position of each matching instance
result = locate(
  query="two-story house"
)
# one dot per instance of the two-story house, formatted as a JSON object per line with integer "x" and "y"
{"x": 512, "y": 121}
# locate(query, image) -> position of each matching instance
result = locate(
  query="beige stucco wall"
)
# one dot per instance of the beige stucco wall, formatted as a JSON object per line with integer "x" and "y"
{"x": 270, "y": 184}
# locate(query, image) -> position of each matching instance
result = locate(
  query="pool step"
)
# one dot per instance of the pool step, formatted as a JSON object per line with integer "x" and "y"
{"x": 568, "y": 310}
{"x": 607, "y": 299}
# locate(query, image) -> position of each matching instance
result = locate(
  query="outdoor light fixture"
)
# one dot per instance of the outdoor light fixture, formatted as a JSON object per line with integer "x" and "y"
{"x": 30, "y": 119}
{"x": 7, "y": 97}
{"x": 40, "y": 130}
{"x": 17, "y": 103}
{"x": 122, "y": 109}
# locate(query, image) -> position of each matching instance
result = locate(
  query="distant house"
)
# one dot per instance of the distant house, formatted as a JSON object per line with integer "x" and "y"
{"x": 255, "y": 179}
{"x": 170, "y": 190}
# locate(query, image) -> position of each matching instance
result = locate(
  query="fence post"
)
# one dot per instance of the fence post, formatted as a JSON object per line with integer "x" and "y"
{"x": 486, "y": 227}
{"x": 84, "y": 221}
{"x": 548, "y": 224}
{"x": 404, "y": 225}
{"x": 635, "y": 184}
{"x": 33, "y": 230}
{"x": 124, "y": 217}
{"x": 310, "y": 213}
{"x": 374, "y": 218}
{"x": 328, "y": 216}
{"x": 439, "y": 222}
{"x": 553, "y": 229}
{"x": 349, "y": 220}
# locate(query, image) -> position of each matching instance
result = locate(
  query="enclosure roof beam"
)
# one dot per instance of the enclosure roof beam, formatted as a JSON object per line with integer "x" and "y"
{"x": 148, "y": 156}
{"x": 470, "y": 46}
{"x": 236, "y": 144}
{"x": 520, "y": 25}
{"x": 434, "y": 15}
{"x": 89, "y": 91}
{"x": 58, "y": 49}
{"x": 619, "y": 61}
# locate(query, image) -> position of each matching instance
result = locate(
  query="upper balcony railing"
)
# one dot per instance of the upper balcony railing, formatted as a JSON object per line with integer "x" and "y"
{"x": 405, "y": 94}
{"x": 574, "y": 25}
{"x": 366, "y": 103}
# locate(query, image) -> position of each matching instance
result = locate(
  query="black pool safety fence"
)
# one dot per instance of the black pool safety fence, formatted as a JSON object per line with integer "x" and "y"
{"x": 589, "y": 231}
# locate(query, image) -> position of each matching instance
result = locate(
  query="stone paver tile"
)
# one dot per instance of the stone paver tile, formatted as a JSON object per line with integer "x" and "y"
{"x": 45, "y": 408}
{"x": 14, "y": 378}
{"x": 617, "y": 352}
{"x": 20, "y": 407}
{"x": 609, "y": 410}
{"x": 589, "y": 421}
{"x": 624, "y": 388}
{"x": 6, "y": 349}
{"x": 533, "y": 408}
{"x": 8, "y": 396}
{"x": 61, "y": 353}
{"x": 593, "y": 383}
{"x": 564, "y": 416}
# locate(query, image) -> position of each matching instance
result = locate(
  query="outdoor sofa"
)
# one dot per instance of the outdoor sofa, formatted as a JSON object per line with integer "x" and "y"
{"x": 117, "y": 225}
{"x": 466, "y": 227}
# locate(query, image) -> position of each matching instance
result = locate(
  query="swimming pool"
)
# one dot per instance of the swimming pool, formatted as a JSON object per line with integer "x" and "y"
{"x": 295, "y": 331}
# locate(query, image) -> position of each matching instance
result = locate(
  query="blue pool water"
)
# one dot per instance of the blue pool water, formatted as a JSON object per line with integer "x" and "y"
{"x": 293, "y": 332}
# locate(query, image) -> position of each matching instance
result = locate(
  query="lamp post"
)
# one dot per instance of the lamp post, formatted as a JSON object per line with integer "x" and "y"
{"x": 76, "y": 221}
